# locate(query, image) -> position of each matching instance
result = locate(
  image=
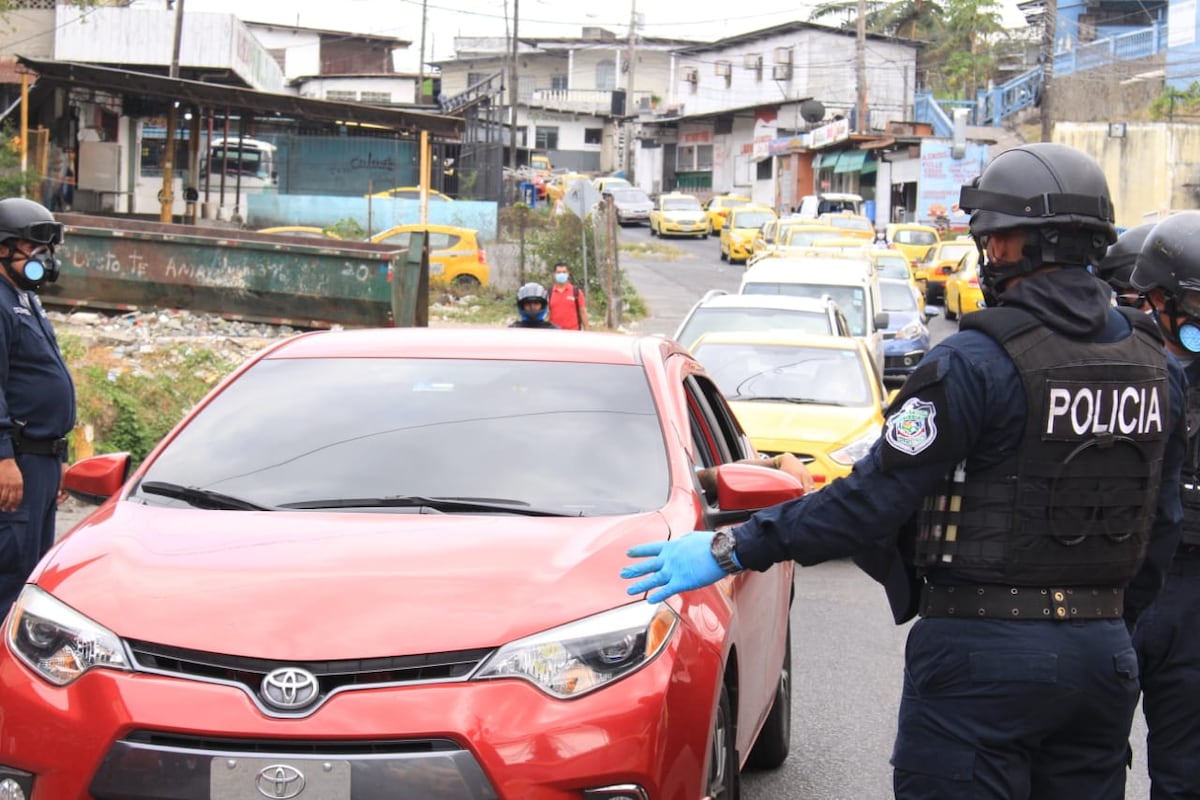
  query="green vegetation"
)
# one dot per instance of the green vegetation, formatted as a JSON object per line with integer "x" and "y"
{"x": 348, "y": 229}
{"x": 1176, "y": 102}
{"x": 663, "y": 250}
{"x": 11, "y": 183}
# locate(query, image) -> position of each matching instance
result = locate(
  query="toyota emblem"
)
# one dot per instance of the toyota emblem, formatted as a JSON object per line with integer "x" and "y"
{"x": 279, "y": 782}
{"x": 289, "y": 688}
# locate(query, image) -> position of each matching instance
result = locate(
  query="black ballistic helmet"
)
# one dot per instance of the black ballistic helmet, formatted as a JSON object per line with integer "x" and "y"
{"x": 1041, "y": 185}
{"x": 1170, "y": 255}
{"x": 25, "y": 219}
{"x": 1116, "y": 268}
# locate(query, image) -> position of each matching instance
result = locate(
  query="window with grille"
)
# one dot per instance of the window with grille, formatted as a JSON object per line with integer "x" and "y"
{"x": 558, "y": 83}
{"x": 546, "y": 138}
{"x": 379, "y": 98}
{"x": 341, "y": 96}
{"x": 593, "y": 135}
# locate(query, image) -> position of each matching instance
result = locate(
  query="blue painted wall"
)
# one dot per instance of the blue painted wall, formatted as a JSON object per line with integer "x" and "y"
{"x": 268, "y": 210}
{"x": 1183, "y": 43}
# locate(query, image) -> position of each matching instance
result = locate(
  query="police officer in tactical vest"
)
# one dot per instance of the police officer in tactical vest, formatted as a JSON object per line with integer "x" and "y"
{"x": 1116, "y": 269}
{"x": 1009, "y": 501}
{"x": 1168, "y": 633}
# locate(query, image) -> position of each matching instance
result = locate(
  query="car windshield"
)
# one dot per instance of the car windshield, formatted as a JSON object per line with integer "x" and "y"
{"x": 894, "y": 267}
{"x": 577, "y": 439}
{"x": 953, "y": 252}
{"x": 751, "y": 219}
{"x": 713, "y": 320}
{"x": 850, "y": 223}
{"x": 630, "y": 196}
{"x": 803, "y": 238}
{"x": 680, "y": 204}
{"x": 809, "y": 374}
{"x": 914, "y": 237}
{"x": 850, "y": 299}
{"x": 897, "y": 296}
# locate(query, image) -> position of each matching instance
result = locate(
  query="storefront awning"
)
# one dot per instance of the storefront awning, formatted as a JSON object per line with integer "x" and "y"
{"x": 825, "y": 160}
{"x": 850, "y": 161}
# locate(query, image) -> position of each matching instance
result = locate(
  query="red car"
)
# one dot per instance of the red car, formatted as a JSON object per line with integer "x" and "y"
{"x": 384, "y": 563}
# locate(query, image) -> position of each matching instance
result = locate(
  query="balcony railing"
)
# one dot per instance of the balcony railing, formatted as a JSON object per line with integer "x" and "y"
{"x": 585, "y": 101}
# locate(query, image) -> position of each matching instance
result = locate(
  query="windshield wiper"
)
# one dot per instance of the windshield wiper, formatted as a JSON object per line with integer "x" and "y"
{"x": 201, "y": 498}
{"x": 435, "y": 503}
{"x": 803, "y": 401}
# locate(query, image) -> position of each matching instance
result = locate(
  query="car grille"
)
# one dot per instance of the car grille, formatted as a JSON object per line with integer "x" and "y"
{"x": 332, "y": 676}
{"x": 323, "y": 747}
{"x": 805, "y": 457}
{"x": 889, "y": 334}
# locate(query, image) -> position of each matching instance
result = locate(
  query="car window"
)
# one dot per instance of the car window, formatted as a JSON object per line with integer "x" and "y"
{"x": 953, "y": 252}
{"x": 897, "y": 297}
{"x": 680, "y": 204}
{"x": 815, "y": 374}
{"x": 292, "y": 430}
{"x": 400, "y": 239}
{"x": 442, "y": 241}
{"x": 715, "y": 320}
{"x": 850, "y": 223}
{"x": 914, "y": 237}
{"x": 630, "y": 196}
{"x": 894, "y": 268}
{"x": 751, "y": 219}
{"x": 731, "y": 441}
{"x": 852, "y": 300}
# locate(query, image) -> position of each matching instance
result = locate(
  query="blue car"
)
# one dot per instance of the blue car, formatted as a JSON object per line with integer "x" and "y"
{"x": 906, "y": 339}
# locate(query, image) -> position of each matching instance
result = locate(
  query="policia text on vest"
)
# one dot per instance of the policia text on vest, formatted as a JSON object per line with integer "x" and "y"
{"x": 1118, "y": 409}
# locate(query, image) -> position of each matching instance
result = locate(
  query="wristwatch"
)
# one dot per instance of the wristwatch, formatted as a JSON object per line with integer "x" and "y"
{"x": 722, "y": 548}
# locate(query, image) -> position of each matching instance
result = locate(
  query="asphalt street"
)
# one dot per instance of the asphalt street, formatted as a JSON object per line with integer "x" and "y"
{"x": 848, "y": 656}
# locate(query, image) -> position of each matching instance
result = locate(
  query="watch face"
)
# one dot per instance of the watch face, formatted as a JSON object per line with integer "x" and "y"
{"x": 722, "y": 544}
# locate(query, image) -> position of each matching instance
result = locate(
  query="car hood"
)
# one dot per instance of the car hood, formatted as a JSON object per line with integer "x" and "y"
{"x": 693, "y": 214}
{"x": 771, "y": 425}
{"x": 316, "y": 585}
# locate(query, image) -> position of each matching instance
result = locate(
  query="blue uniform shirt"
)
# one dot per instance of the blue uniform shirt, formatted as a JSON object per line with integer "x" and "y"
{"x": 35, "y": 386}
{"x": 983, "y": 417}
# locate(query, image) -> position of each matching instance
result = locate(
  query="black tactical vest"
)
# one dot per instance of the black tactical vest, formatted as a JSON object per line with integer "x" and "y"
{"x": 1073, "y": 505}
{"x": 1190, "y": 489}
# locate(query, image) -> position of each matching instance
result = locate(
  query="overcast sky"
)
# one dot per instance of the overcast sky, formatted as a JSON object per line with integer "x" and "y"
{"x": 704, "y": 20}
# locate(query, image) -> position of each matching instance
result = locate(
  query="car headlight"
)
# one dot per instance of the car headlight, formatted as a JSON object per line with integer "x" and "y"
{"x": 59, "y": 643}
{"x": 577, "y": 658}
{"x": 855, "y": 450}
{"x": 913, "y": 330}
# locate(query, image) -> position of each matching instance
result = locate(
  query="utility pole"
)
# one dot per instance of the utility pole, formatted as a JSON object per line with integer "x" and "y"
{"x": 421, "y": 65}
{"x": 631, "y": 56}
{"x": 512, "y": 95}
{"x": 860, "y": 65}
{"x": 1049, "y": 26}
{"x": 166, "y": 195}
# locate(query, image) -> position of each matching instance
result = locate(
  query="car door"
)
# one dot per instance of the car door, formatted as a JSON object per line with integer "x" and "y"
{"x": 761, "y": 599}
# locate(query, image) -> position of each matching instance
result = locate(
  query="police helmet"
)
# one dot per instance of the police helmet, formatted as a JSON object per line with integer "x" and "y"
{"x": 1041, "y": 185}
{"x": 1170, "y": 255}
{"x": 1116, "y": 268}
{"x": 536, "y": 292}
{"x": 25, "y": 219}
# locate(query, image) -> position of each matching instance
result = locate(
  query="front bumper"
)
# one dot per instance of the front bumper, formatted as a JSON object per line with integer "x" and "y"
{"x": 136, "y": 736}
{"x": 667, "y": 226}
{"x": 633, "y": 216}
{"x": 901, "y": 364}
{"x": 740, "y": 250}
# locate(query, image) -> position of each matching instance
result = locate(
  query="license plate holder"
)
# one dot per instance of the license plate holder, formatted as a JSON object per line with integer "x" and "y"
{"x": 236, "y": 778}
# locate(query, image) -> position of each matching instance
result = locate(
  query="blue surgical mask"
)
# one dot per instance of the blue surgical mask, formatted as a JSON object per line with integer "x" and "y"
{"x": 561, "y": 277}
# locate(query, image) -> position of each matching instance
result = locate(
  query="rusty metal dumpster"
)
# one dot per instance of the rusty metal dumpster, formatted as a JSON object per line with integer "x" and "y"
{"x": 117, "y": 263}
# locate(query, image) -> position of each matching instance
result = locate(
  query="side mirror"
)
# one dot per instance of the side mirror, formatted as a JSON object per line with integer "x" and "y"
{"x": 94, "y": 480}
{"x": 743, "y": 489}
{"x": 881, "y": 320}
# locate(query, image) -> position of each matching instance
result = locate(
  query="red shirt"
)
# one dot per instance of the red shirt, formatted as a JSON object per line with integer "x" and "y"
{"x": 562, "y": 306}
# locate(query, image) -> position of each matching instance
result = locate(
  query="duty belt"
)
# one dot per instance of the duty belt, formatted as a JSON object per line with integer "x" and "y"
{"x": 994, "y": 601}
{"x": 39, "y": 447}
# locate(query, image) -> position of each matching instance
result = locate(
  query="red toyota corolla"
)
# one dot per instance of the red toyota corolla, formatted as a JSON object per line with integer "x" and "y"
{"x": 384, "y": 564}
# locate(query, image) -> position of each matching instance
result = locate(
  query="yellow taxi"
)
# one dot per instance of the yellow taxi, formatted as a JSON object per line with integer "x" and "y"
{"x": 963, "y": 294}
{"x": 818, "y": 397}
{"x": 892, "y": 265}
{"x": 848, "y": 224}
{"x": 306, "y": 231}
{"x": 939, "y": 262}
{"x": 912, "y": 240}
{"x": 606, "y": 183}
{"x": 455, "y": 255}
{"x": 558, "y": 185}
{"x": 410, "y": 193}
{"x": 718, "y": 208}
{"x": 774, "y": 232}
{"x": 678, "y": 214}
{"x": 742, "y": 224}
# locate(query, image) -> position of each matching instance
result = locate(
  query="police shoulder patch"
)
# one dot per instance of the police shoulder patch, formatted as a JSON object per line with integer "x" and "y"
{"x": 912, "y": 428}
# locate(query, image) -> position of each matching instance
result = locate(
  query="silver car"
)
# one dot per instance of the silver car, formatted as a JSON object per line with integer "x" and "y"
{"x": 633, "y": 205}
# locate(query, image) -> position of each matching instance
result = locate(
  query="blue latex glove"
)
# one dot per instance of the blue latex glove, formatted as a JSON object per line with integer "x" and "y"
{"x": 677, "y": 566}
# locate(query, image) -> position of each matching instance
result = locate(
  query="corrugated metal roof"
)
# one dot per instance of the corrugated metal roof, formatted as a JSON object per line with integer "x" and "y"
{"x": 212, "y": 95}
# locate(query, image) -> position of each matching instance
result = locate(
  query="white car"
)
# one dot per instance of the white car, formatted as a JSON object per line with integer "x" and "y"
{"x": 632, "y": 205}
{"x": 720, "y": 312}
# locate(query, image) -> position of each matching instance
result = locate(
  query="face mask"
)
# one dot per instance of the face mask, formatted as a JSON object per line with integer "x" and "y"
{"x": 40, "y": 268}
{"x": 561, "y": 277}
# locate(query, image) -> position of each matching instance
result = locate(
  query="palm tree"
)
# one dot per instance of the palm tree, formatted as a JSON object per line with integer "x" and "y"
{"x": 904, "y": 19}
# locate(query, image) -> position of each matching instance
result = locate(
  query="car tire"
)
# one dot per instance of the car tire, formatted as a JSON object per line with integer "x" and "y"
{"x": 723, "y": 256}
{"x": 652, "y": 231}
{"x": 724, "y": 780}
{"x": 950, "y": 315}
{"x": 771, "y": 747}
{"x": 467, "y": 283}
